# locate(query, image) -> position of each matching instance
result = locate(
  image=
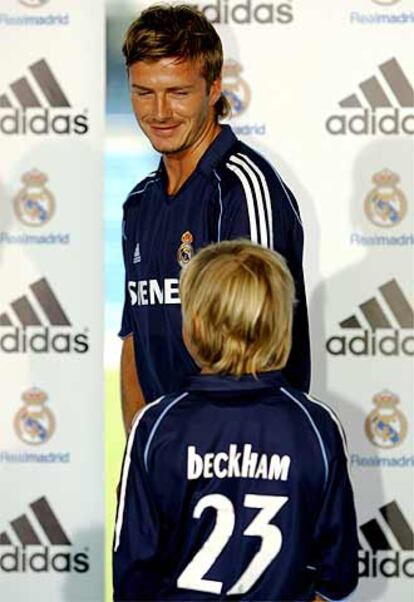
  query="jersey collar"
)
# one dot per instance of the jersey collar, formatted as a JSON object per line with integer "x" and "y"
{"x": 215, "y": 152}
{"x": 229, "y": 383}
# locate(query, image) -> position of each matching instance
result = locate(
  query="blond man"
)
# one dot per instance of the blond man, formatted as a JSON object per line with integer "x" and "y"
{"x": 238, "y": 485}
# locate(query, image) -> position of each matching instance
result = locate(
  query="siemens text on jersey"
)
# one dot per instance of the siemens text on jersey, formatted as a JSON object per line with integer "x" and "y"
{"x": 244, "y": 12}
{"x": 151, "y": 292}
{"x": 237, "y": 462}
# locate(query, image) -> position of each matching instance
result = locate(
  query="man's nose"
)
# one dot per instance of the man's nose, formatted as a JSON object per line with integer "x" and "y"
{"x": 162, "y": 107}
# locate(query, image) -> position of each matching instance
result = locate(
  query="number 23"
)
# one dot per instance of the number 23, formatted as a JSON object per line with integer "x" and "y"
{"x": 269, "y": 506}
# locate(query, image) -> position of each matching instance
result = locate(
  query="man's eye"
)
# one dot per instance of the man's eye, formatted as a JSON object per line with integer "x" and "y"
{"x": 141, "y": 93}
{"x": 181, "y": 92}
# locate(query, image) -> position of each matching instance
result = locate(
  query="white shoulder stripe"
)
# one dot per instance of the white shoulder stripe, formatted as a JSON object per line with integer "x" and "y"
{"x": 258, "y": 197}
{"x": 143, "y": 189}
{"x": 125, "y": 471}
{"x": 221, "y": 206}
{"x": 284, "y": 189}
{"x": 249, "y": 199}
{"x": 268, "y": 203}
{"x": 315, "y": 429}
{"x": 156, "y": 425}
{"x": 337, "y": 422}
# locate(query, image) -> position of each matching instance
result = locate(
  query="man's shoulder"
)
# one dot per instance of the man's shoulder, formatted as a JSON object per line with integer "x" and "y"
{"x": 243, "y": 168}
{"x": 139, "y": 190}
{"x": 243, "y": 155}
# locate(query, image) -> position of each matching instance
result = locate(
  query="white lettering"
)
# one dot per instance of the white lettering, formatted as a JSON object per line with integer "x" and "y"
{"x": 249, "y": 461}
{"x": 132, "y": 288}
{"x": 194, "y": 463}
{"x": 208, "y": 466}
{"x": 171, "y": 291}
{"x": 156, "y": 294}
{"x": 279, "y": 468}
{"x": 220, "y": 472}
{"x": 142, "y": 292}
{"x": 237, "y": 463}
{"x": 151, "y": 292}
{"x": 261, "y": 472}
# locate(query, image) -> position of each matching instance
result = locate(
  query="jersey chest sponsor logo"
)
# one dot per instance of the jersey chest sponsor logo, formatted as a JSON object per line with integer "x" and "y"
{"x": 154, "y": 292}
{"x": 237, "y": 462}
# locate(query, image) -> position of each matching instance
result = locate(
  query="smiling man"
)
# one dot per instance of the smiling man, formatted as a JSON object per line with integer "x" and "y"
{"x": 209, "y": 187}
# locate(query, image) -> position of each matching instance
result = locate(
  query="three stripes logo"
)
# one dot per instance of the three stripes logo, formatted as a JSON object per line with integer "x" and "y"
{"x": 383, "y": 105}
{"x": 37, "y": 104}
{"x": 39, "y": 528}
{"x": 390, "y": 542}
{"x": 389, "y": 312}
{"x": 28, "y": 324}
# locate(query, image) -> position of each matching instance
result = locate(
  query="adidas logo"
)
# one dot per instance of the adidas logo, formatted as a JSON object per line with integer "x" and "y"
{"x": 247, "y": 11}
{"x": 25, "y": 533}
{"x": 387, "y": 557}
{"x": 137, "y": 255}
{"x": 390, "y": 93}
{"x": 34, "y": 95}
{"x": 389, "y": 311}
{"x": 41, "y": 309}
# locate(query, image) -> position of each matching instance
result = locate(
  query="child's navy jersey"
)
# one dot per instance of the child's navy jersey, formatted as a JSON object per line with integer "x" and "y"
{"x": 235, "y": 489}
{"x": 233, "y": 193}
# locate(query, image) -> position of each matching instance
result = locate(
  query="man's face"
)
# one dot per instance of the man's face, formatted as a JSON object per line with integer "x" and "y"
{"x": 171, "y": 102}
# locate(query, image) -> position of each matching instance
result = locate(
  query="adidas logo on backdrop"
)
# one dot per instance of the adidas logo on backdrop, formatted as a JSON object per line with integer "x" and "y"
{"x": 389, "y": 311}
{"x": 390, "y": 99}
{"x": 391, "y": 545}
{"x": 35, "y": 312}
{"x": 39, "y": 544}
{"x": 42, "y": 106}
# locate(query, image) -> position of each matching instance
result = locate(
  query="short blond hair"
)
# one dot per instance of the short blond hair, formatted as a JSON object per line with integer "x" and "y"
{"x": 237, "y": 304}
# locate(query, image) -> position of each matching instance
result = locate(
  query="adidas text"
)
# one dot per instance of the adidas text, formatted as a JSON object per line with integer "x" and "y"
{"x": 41, "y": 122}
{"x": 370, "y": 123}
{"x": 20, "y": 560}
{"x": 41, "y": 340}
{"x": 370, "y": 344}
{"x": 385, "y": 564}
{"x": 247, "y": 11}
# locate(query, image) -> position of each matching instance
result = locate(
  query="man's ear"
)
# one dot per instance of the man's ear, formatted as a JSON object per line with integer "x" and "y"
{"x": 215, "y": 91}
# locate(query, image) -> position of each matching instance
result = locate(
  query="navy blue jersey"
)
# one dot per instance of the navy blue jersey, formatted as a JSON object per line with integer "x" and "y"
{"x": 239, "y": 489}
{"x": 233, "y": 193}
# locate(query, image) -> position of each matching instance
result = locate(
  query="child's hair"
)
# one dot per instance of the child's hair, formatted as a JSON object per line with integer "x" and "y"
{"x": 237, "y": 303}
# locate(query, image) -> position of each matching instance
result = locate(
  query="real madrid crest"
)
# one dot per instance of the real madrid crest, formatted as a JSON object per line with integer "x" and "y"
{"x": 235, "y": 88}
{"x": 385, "y": 205}
{"x": 34, "y": 204}
{"x": 34, "y": 423}
{"x": 386, "y": 426}
{"x": 185, "y": 250}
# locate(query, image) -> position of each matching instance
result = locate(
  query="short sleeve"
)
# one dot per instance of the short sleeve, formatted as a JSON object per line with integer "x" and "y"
{"x": 136, "y": 538}
{"x": 126, "y": 321}
{"x": 336, "y": 540}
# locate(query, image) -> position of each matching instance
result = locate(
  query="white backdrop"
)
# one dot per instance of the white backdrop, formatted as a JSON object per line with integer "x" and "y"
{"x": 51, "y": 299}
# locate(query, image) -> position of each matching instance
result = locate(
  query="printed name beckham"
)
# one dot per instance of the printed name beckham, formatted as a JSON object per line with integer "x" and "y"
{"x": 243, "y": 464}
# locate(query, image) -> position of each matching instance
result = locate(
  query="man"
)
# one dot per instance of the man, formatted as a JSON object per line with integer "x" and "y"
{"x": 209, "y": 187}
{"x": 238, "y": 484}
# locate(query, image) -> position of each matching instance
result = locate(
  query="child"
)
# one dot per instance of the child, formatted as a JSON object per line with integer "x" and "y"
{"x": 236, "y": 487}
